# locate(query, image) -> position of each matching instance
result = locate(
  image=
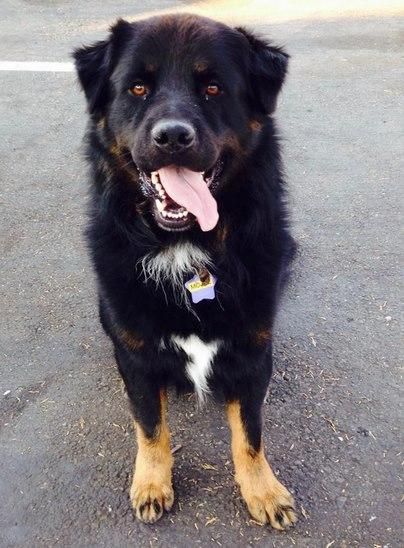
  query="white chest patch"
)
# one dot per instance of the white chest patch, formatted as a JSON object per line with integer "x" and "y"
{"x": 171, "y": 264}
{"x": 199, "y": 364}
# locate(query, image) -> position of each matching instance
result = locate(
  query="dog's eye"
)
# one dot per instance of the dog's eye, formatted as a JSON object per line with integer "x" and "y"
{"x": 139, "y": 90}
{"x": 212, "y": 90}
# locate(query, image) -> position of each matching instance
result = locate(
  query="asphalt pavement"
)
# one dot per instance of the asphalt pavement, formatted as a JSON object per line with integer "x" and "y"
{"x": 334, "y": 412}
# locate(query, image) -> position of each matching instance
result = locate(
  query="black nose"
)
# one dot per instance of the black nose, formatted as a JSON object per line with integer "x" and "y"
{"x": 173, "y": 135}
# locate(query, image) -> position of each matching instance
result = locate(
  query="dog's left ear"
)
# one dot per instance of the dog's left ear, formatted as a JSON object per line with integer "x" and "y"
{"x": 268, "y": 68}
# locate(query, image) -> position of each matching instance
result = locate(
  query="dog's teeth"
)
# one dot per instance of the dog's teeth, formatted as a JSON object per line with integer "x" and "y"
{"x": 155, "y": 177}
{"x": 158, "y": 186}
{"x": 160, "y": 205}
{"x": 162, "y": 193}
{"x": 185, "y": 213}
{"x": 164, "y": 213}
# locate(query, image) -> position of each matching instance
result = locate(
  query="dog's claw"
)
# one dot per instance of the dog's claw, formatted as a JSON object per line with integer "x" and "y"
{"x": 149, "y": 501}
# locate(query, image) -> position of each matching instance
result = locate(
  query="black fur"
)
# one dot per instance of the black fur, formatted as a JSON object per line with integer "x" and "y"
{"x": 250, "y": 247}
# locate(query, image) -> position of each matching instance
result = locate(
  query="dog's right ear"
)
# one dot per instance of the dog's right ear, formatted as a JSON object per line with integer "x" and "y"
{"x": 93, "y": 68}
{"x": 94, "y": 65}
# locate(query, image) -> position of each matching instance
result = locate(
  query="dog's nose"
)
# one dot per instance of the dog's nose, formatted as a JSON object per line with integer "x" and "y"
{"x": 173, "y": 135}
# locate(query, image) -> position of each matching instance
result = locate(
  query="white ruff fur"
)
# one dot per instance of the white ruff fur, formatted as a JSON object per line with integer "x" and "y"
{"x": 200, "y": 358}
{"x": 171, "y": 265}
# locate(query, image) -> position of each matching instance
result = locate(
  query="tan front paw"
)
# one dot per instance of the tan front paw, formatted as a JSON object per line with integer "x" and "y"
{"x": 150, "y": 499}
{"x": 270, "y": 502}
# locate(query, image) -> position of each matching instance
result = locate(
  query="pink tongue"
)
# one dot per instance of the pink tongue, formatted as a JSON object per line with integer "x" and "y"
{"x": 189, "y": 189}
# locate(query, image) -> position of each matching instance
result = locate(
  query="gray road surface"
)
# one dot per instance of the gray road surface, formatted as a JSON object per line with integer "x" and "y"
{"x": 333, "y": 415}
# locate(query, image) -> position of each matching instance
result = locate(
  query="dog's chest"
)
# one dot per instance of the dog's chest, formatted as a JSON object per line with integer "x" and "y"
{"x": 200, "y": 356}
{"x": 173, "y": 266}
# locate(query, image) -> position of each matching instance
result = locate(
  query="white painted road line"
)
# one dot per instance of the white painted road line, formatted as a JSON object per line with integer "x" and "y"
{"x": 35, "y": 66}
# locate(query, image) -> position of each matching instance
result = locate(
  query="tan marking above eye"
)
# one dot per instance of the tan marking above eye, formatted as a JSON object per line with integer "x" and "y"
{"x": 255, "y": 125}
{"x": 139, "y": 90}
{"x": 200, "y": 66}
{"x": 212, "y": 90}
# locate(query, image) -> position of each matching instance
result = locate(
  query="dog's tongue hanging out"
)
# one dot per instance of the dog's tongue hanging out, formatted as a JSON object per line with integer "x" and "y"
{"x": 189, "y": 189}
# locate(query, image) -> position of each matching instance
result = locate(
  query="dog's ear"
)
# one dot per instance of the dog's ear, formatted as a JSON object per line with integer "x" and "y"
{"x": 268, "y": 68}
{"x": 94, "y": 65}
{"x": 93, "y": 69}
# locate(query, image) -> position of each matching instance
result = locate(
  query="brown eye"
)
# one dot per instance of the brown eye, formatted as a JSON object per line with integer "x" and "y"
{"x": 212, "y": 90}
{"x": 139, "y": 90}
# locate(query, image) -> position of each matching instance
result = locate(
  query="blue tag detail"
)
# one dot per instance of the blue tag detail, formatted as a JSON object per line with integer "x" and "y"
{"x": 201, "y": 290}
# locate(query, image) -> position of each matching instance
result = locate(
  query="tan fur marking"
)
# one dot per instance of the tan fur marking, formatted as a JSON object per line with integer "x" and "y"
{"x": 255, "y": 125}
{"x": 101, "y": 123}
{"x": 151, "y": 491}
{"x": 122, "y": 159}
{"x": 263, "y": 336}
{"x": 232, "y": 142}
{"x": 115, "y": 149}
{"x": 222, "y": 233}
{"x": 200, "y": 66}
{"x": 105, "y": 168}
{"x": 131, "y": 340}
{"x": 268, "y": 501}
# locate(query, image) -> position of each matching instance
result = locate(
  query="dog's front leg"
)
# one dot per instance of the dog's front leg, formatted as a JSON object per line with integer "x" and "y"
{"x": 151, "y": 491}
{"x": 266, "y": 498}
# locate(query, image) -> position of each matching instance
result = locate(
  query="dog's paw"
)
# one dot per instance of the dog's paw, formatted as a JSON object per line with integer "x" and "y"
{"x": 149, "y": 500}
{"x": 268, "y": 501}
{"x": 271, "y": 504}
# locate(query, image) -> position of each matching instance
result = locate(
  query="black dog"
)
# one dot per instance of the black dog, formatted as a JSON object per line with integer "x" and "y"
{"x": 188, "y": 233}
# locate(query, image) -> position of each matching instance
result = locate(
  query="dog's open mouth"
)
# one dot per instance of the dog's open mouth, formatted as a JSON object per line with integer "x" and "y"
{"x": 181, "y": 196}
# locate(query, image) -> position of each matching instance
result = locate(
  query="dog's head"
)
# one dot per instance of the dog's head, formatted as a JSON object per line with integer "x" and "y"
{"x": 184, "y": 98}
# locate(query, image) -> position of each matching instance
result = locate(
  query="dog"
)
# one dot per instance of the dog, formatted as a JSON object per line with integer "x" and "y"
{"x": 188, "y": 233}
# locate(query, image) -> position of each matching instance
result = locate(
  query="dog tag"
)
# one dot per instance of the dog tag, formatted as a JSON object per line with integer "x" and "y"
{"x": 201, "y": 286}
